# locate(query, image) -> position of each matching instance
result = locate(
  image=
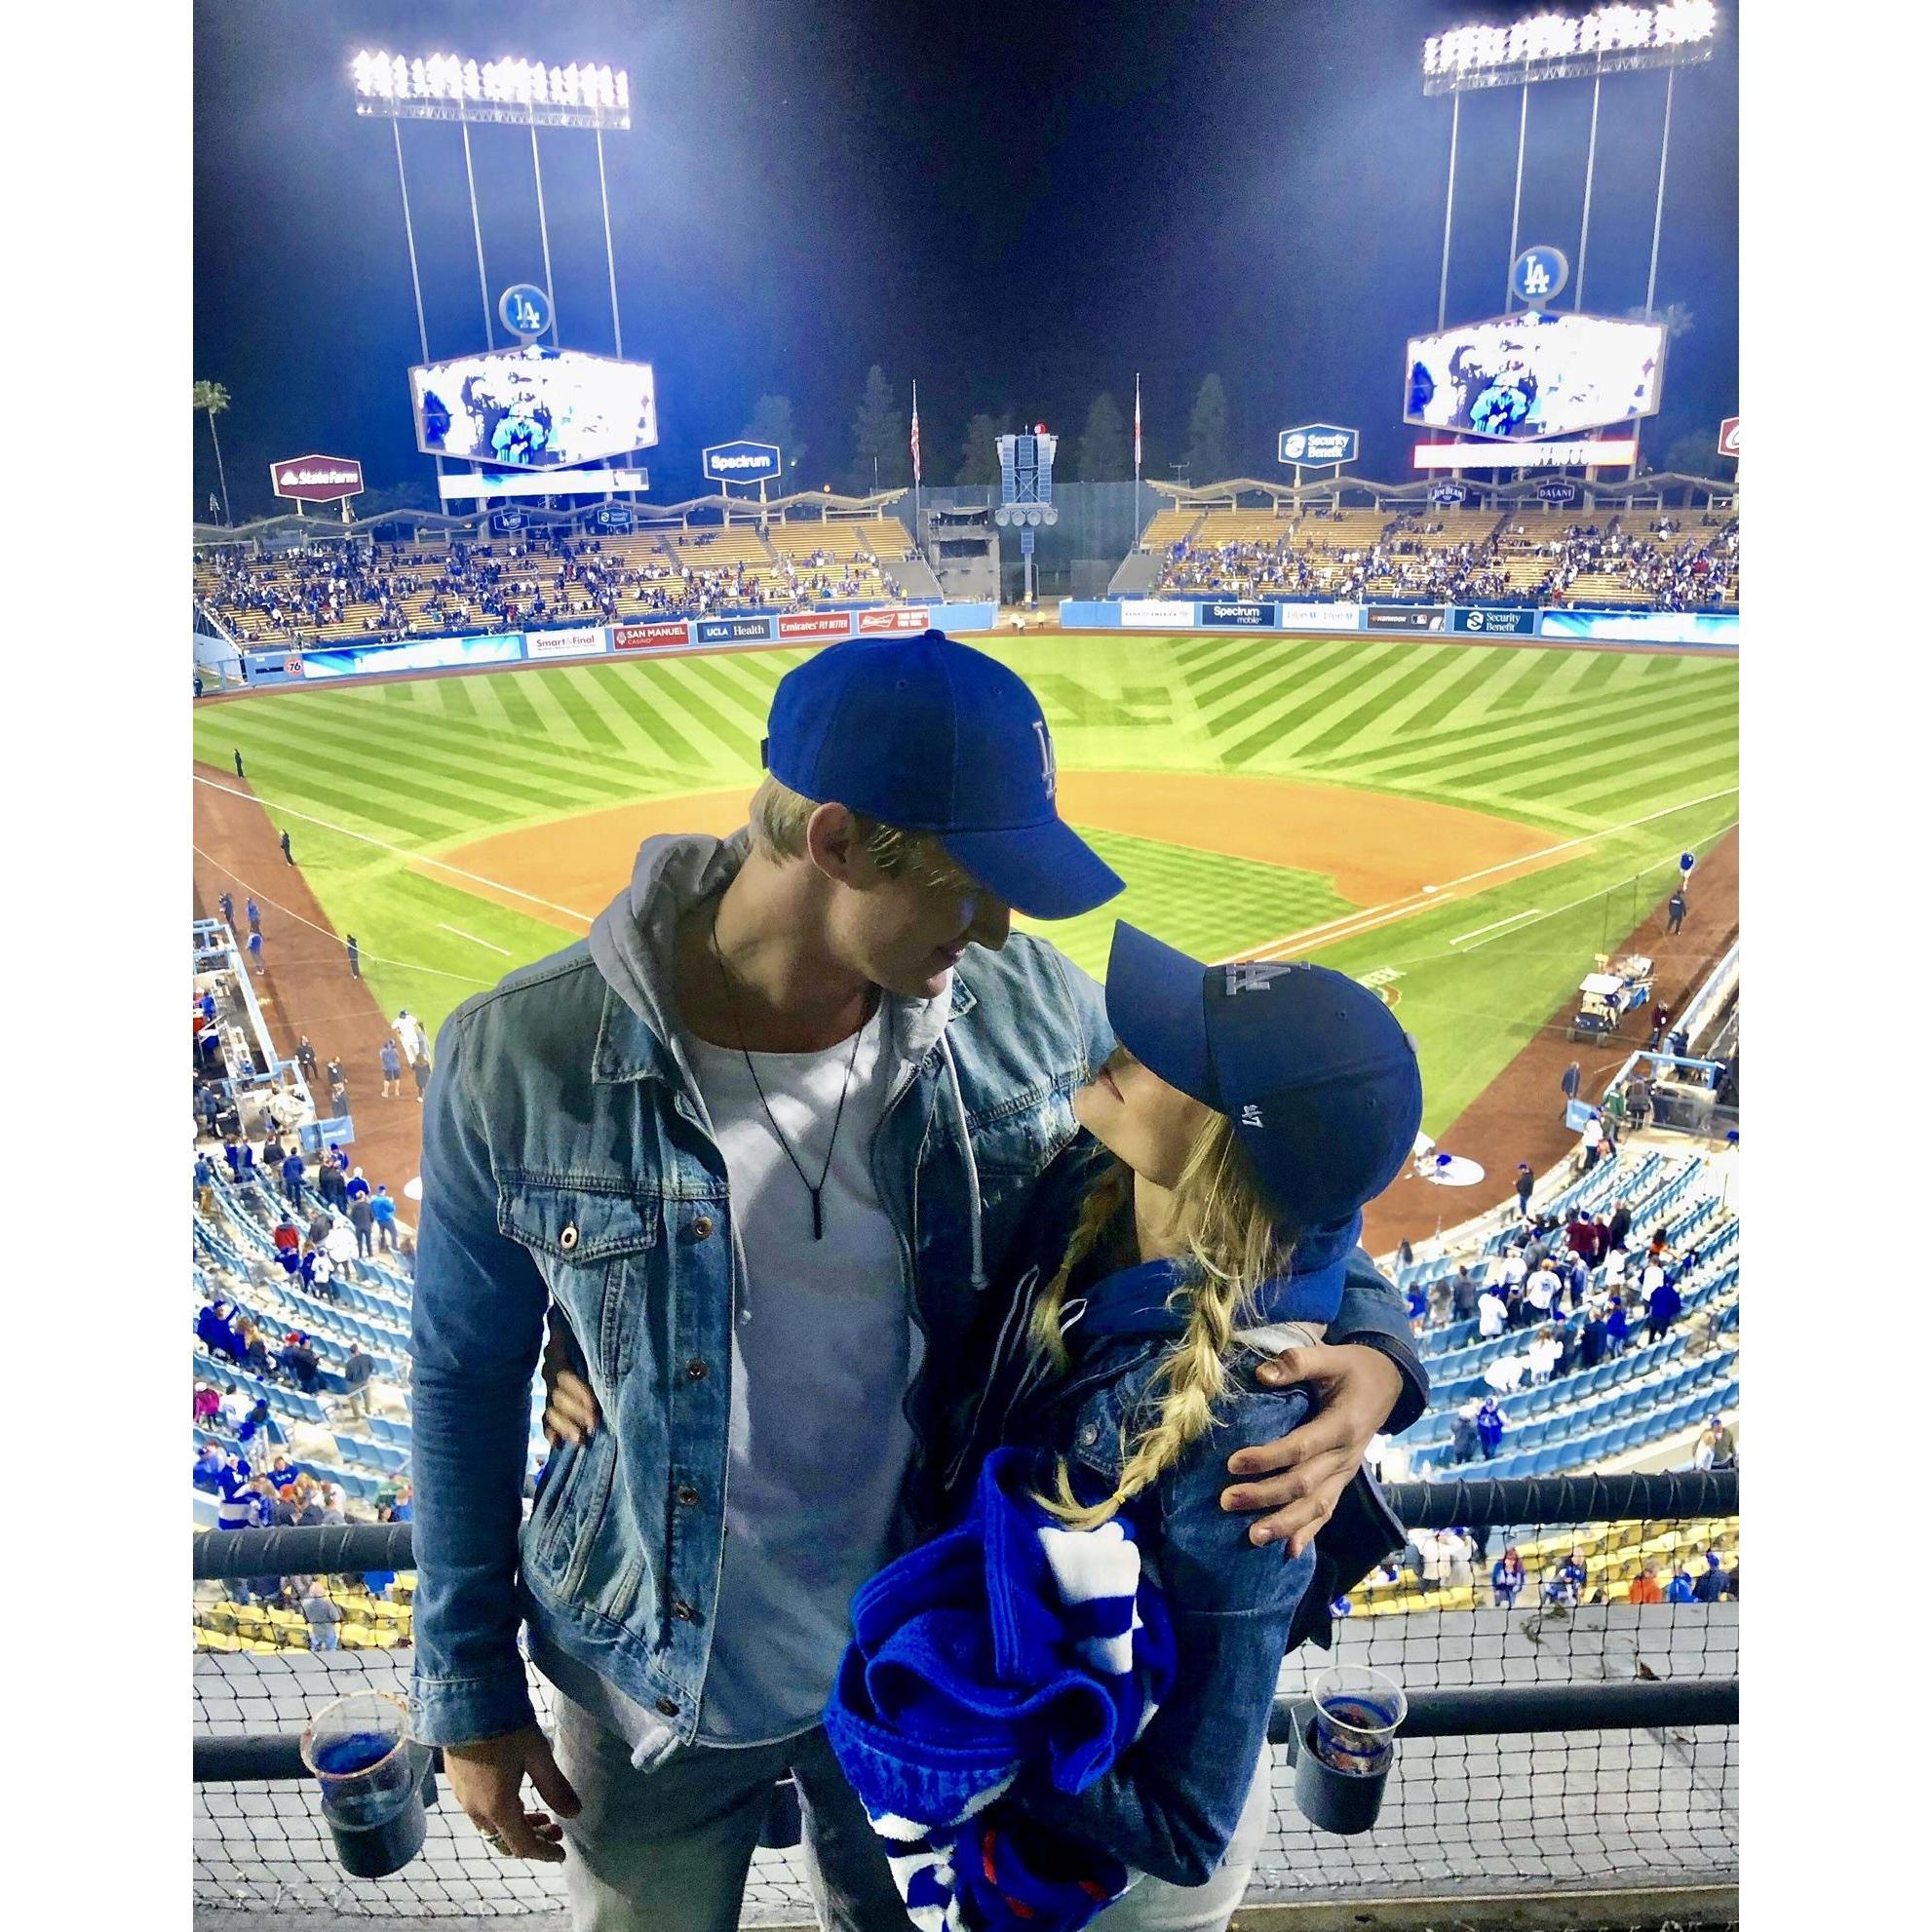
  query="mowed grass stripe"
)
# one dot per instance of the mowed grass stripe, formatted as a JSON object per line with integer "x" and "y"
{"x": 364, "y": 807}
{"x": 1293, "y": 698}
{"x": 1459, "y": 692}
{"x": 1274, "y": 673}
{"x": 1712, "y": 752}
{"x": 575, "y": 694}
{"x": 643, "y": 706}
{"x": 1380, "y": 700}
{"x": 720, "y": 737}
{"x": 1315, "y": 705}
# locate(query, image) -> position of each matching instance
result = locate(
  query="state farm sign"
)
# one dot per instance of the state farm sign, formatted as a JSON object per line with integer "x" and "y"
{"x": 317, "y": 478}
{"x": 1727, "y": 438}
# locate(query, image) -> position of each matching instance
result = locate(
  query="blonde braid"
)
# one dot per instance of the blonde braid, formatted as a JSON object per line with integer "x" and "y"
{"x": 1234, "y": 1244}
{"x": 1108, "y": 1198}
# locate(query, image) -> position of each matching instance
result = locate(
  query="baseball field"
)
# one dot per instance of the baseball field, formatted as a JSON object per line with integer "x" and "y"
{"x": 1465, "y": 824}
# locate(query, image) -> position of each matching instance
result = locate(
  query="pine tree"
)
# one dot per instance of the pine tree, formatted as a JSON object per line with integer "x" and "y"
{"x": 879, "y": 448}
{"x": 1207, "y": 434}
{"x": 1103, "y": 455}
{"x": 979, "y": 456}
{"x": 772, "y": 422}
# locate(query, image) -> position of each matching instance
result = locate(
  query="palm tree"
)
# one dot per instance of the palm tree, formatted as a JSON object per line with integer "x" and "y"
{"x": 212, "y": 397}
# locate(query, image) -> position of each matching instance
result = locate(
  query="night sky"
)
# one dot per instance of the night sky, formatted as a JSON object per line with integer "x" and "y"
{"x": 1018, "y": 206}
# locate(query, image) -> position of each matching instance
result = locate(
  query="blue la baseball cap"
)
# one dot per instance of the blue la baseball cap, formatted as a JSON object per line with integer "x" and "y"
{"x": 1317, "y": 1075}
{"x": 930, "y": 735}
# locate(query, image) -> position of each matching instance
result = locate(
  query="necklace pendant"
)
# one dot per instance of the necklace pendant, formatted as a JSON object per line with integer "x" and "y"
{"x": 818, "y": 1215}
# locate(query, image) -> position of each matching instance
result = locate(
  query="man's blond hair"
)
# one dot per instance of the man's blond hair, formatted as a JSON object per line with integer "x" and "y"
{"x": 780, "y": 816}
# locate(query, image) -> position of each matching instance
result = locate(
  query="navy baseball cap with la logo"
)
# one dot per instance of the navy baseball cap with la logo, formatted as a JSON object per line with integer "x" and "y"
{"x": 930, "y": 735}
{"x": 1317, "y": 1074}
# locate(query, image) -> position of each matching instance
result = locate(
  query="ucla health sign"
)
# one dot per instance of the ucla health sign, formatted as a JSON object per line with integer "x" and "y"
{"x": 1318, "y": 444}
{"x": 741, "y": 462}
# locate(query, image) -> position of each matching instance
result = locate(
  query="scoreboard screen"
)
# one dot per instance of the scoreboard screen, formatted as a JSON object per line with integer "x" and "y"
{"x": 535, "y": 408}
{"x": 1516, "y": 377}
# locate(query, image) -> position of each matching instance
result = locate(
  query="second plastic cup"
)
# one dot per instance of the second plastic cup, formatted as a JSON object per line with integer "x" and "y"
{"x": 1357, "y": 1713}
{"x": 370, "y": 1777}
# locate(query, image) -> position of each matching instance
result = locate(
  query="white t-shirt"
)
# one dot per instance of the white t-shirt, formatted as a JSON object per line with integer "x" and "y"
{"x": 823, "y": 1351}
{"x": 1514, "y": 1269}
{"x": 1542, "y": 1289}
{"x": 1491, "y": 1312}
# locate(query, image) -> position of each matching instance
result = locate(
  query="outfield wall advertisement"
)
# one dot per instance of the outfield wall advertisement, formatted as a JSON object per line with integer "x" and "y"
{"x": 1716, "y": 627}
{"x": 281, "y": 662}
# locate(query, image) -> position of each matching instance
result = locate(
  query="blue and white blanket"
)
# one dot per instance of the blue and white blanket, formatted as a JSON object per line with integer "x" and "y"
{"x": 1010, "y": 1649}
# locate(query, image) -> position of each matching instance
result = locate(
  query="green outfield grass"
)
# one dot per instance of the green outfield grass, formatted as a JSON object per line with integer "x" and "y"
{"x": 1572, "y": 741}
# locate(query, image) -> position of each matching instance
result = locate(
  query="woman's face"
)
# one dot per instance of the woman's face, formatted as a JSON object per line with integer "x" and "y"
{"x": 1140, "y": 1119}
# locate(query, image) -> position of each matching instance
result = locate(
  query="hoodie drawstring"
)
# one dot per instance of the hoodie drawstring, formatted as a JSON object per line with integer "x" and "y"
{"x": 978, "y": 1269}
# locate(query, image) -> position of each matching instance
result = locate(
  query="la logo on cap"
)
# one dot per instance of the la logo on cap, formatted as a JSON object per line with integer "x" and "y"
{"x": 1049, "y": 771}
{"x": 1250, "y": 1115}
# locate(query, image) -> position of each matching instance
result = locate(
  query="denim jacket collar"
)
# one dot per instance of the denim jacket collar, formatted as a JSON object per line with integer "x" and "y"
{"x": 632, "y": 943}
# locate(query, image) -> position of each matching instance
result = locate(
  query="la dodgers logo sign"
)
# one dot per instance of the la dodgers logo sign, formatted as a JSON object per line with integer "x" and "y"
{"x": 1048, "y": 773}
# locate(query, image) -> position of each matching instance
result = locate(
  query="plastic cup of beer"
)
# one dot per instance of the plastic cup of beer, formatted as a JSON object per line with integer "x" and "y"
{"x": 1357, "y": 1714}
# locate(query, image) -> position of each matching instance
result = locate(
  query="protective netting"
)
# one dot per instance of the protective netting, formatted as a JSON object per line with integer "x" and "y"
{"x": 1557, "y": 1809}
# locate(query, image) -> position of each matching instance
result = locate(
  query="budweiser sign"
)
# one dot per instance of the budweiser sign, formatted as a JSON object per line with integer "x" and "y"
{"x": 317, "y": 478}
{"x": 902, "y": 620}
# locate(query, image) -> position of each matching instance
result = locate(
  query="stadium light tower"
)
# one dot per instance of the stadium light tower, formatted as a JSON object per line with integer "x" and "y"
{"x": 591, "y": 96}
{"x": 1556, "y": 47}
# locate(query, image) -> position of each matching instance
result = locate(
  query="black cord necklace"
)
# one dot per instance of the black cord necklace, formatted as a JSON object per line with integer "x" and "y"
{"x": 738, "y": 1026}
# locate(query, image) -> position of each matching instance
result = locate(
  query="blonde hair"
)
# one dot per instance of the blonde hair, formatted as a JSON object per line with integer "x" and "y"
{"x": 1232, "y": 1242}
{"x": 779, "y": 818}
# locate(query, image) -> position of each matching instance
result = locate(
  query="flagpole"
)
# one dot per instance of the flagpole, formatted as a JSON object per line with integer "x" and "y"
{"x": 1137, "y": 456}
{"x": 916, "y": 466}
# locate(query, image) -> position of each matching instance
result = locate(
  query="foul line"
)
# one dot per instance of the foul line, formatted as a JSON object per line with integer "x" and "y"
{"x": 1529, "y": 913}
{"x": 400, "y": 852}
{"x": 472, "y": 937}
{"x": 1331, "y": 931}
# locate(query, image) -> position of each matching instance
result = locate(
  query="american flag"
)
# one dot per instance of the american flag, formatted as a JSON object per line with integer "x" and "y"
{"x": 915, "y": 431}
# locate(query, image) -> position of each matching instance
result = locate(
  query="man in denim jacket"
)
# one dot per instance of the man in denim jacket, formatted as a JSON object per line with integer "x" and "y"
{"x": 765, "y": 1141}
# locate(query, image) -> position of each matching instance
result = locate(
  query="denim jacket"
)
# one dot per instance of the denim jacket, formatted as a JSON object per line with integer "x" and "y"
{"x": 568, "y": 1157}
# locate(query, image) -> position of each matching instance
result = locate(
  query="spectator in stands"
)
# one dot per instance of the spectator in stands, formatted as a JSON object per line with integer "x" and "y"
{"x": 1666, "y": 1305}
{"x": 1491, "y": 1422}
{"x": 292, "y": 1167}
{"x": 1463, "y": 1437}
{"x": 1712, "y": 1581}
{"x": 254, "y": 1351}
{"x": 232, "y": 1154}
{"x": 210, "y": 1464}
{"x": 253, "y": 1432}
{"x": 1637, "y": 1101}
{"x": 1593, "y": 1340}
{"x": 1723, "y": 1444}
{"x": 358, "y": 1187}
{"x": 1681, "y": 1589}
{"x": 322, "y": 1221}
{"x": 1644, "y": 1587}
{"x": 208, "y": 1404}
{"x": 1526, "y": 1183}
{"x": 333, "y": 1185}
{"x": 1544, "y": 1353}
{"x": 1493, "y": 1314}
{"x": 382, "y": 1204}
{"x": 204, "y": 1184}
{"x": 288, "y": 1237}
{"x": 339, "y": 1244}
{"x": 1618, "y": 1229}
{"x": 1574, "y": 1575}
{"x": 356, "y": 1374}
{"x": 216, "y": 1332}
{"x": 392, "y": 1069}
{"x": 362, "y": 1217}
{"x": 1587, "y": 1236}
{"x": 318, "y": 1274}
{"x": 324, "y": 1615}
{"x": 1465, "y": 1294}
{"x": 1539, "y": 1293}
{"x": 1616, "y": 1326}
{"x": 297, "y": 1358}
{"x": 1506, "y": 1579}
{"x": 1440, "y": 1295}
{"x": 1593, "y": 1140}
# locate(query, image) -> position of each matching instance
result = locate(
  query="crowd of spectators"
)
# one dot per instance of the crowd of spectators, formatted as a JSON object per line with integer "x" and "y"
{"x": 1661, "y": 566}
{"x": 387, "y": 588}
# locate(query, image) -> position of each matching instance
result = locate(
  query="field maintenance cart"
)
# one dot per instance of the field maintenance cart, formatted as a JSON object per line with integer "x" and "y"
{"x": 1609, "y": 993}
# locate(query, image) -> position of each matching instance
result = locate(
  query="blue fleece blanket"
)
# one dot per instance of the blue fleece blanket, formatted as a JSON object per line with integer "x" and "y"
{"x": 1011, "y": 1649}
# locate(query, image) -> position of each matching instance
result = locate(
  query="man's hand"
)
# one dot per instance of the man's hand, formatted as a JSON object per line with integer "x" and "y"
{"x": 1358, "y": 1387}
{"x": 488, "y": 1779}
{"x": 570, "y": 1411}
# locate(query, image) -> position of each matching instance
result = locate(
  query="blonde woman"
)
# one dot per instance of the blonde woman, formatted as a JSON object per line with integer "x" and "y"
{"x": 1245, "y": 1117}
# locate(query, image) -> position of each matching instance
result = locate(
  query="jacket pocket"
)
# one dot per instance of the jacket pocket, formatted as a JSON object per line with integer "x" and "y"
{"x": 589, "y": 1242}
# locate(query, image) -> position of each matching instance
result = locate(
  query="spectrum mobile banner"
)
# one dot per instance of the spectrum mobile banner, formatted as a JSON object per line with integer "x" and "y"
{"x": 1238, "y": 616}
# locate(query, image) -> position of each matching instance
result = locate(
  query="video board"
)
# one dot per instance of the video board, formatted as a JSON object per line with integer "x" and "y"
{"x": 535, "y": 407}
{"x": 1518, "y": 378}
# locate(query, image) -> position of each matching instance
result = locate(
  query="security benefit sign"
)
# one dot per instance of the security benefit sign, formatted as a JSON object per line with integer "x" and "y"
{"x": 317, "y": 478}
{"x": 1318, "y": 444}
{"x": 1487, "y": 622}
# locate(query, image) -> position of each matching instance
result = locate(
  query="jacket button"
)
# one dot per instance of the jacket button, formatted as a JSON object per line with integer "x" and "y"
{"x": 701, "y": 1228}
{"x": 666, "y": 1708}
{"x": 697, "y": 1368}
{"x": 687, "y": 1495}
{"x": 1090, "y": 1435}
{"x": 683, "y": 1613}
{"x": 568, "y": 1240}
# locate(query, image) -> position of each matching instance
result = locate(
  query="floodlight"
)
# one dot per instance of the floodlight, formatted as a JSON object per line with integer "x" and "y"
{"x": 1553, "y": 47}
{"x": 449, "y": 86}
